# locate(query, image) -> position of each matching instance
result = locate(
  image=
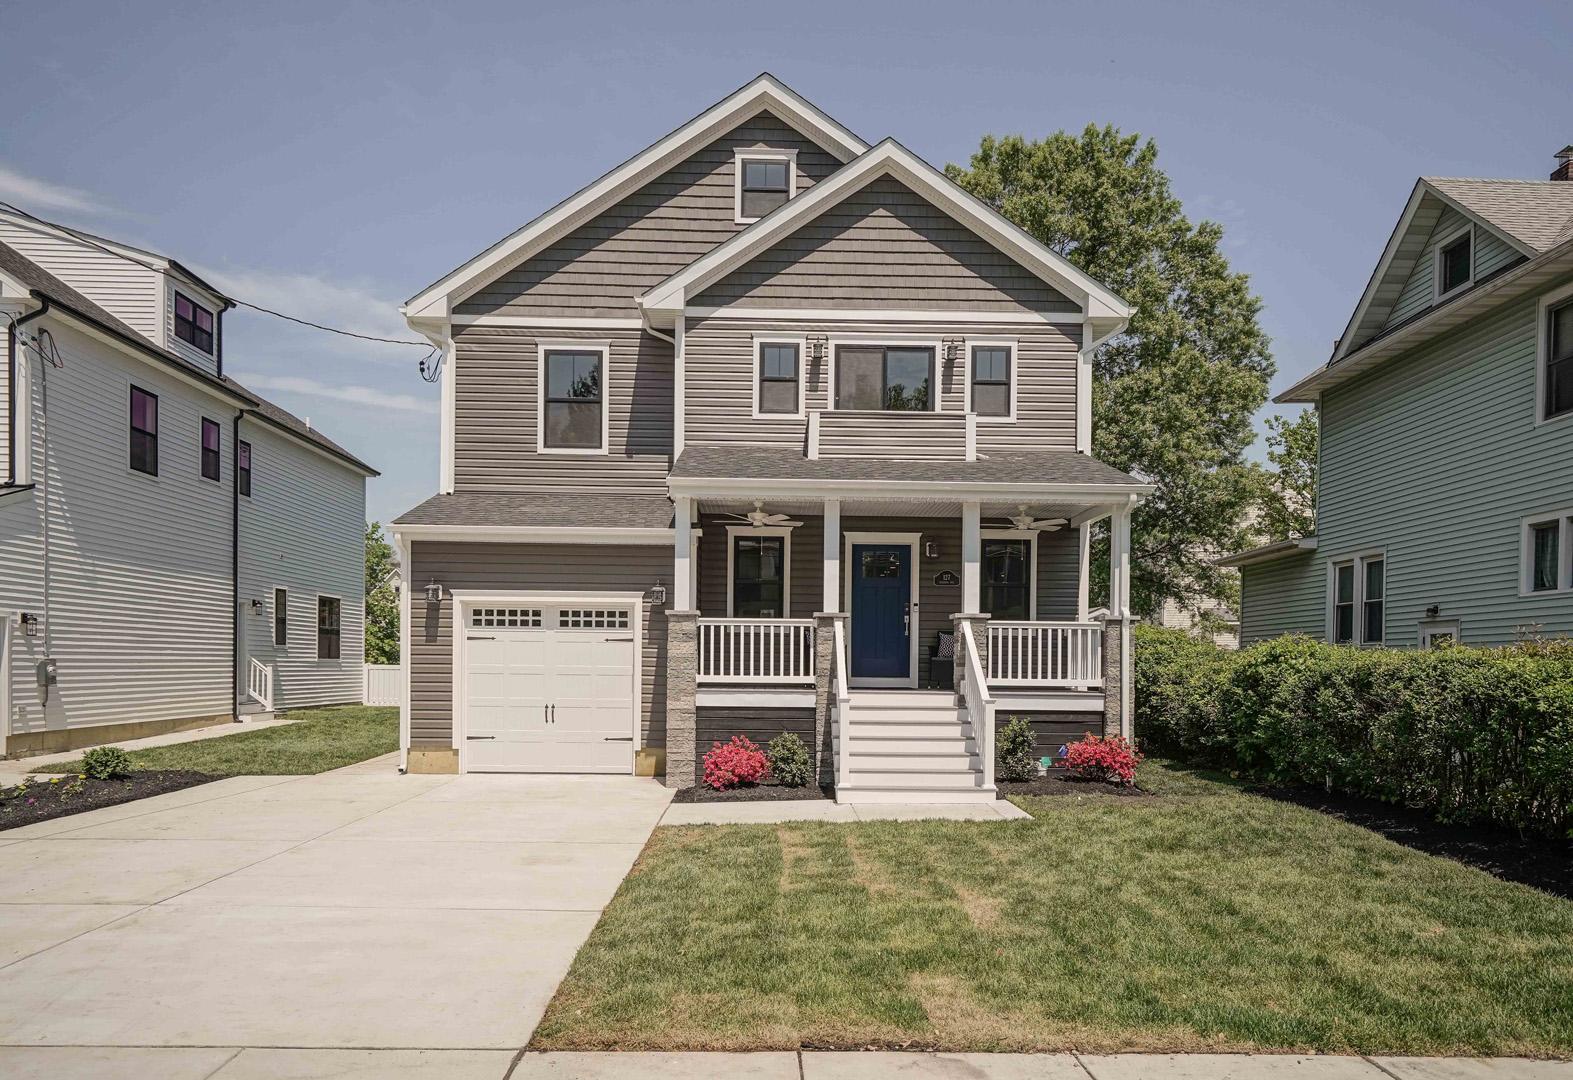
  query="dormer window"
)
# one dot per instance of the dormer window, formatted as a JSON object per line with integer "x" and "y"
{"x": 1455, "y": 263}
{"x": 766, "y": 179}
{"x": 193, "y": 324}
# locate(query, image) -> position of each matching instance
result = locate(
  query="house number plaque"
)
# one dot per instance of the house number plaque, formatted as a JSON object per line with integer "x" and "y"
{"x": 947, "y": 577}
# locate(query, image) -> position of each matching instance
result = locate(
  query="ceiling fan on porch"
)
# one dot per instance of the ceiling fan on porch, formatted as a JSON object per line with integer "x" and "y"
{"x": 760, "y": 520}
{"x": 1024, "y": 520}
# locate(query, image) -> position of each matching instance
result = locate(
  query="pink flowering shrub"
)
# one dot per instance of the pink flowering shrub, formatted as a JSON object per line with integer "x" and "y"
{"x": 738, "y": 762}
{"x": 1112, "y": 760}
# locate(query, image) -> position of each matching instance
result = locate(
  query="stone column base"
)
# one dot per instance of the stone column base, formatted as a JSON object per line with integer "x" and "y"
{"x": 682, "y": 686}
{"x": 1113, "y": 677}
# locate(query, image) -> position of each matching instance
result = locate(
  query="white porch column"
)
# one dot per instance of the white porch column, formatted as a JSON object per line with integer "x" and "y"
{"x": 971, "y": 557}
{"x": 682, "y": 554}
{"x": 831, "y": 601}
{"x": 1120, "y": 562}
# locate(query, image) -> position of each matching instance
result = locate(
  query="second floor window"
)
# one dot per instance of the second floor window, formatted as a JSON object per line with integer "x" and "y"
{"x": 574, "y": 403}
{"x": 193, "y": 324}
{"x": 764, "y": 183}
{"x": 144, "y": 431}
{"x": 1559, "y": 360}
{"x": 889, "y": 378}
{"x": 210, "y": 449}
{"x": 780, "y": 379}
{"x": 1455, "y": 264}
{"x": 991, "y": 380}
{"x": 1547, "y": 542}
{"x": 243, "y": 468}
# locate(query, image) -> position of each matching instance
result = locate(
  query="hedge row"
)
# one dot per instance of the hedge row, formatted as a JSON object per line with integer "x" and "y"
{"x": 1469, "y": 734}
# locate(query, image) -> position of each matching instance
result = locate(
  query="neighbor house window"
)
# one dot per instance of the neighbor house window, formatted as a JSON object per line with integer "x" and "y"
{"x": 243, "y": 468}
{"x": 144, "y": 431}
{"x": 1359, "y": 593}
{"x": 1547, "y": 566}
{"x": 280, "y": 617}
{"x": 764, "y": 182}
{"x": 193, "y": 324}
{"x": 991, "y": 380}
{"x": 780, "y": 378}
{"x": 891, "y": 378}
{"x": 1343, "y": 604}
{"x": 1007, "y": 578}
{"x": 759, "y": 575}
{"x": 574, "y": 400}
{"x": 327, "y": 628}
{"x": 1455, "y": 263}
{"x": 1559, "y": 360}
{"x": 210, "y": 448}
{"x": 1373, "y": 612}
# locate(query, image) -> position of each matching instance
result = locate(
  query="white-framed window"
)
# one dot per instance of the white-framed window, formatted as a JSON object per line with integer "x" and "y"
{"x": 778, "y": 377}
{"x": 991, "y": 378}
{"x": 280, "y": 618}
{"x": 894, "y": 375}
{"x": 1435, "y": 632}
{"x": 1546, "y": 553}
{"x": 1357, "y": 599}
{"x": 764, "y": 180}
{"x": 1554, "y": 357}
{"x": 1008, "y": 574}
{"x": 1455, "y": 262}
{"x": 193, "y": 323}
{"x": 758, "y": 572}
{"x": 593, "y": 618}
{"x": 509, "y": 618}
{"x": 573, "y": 390}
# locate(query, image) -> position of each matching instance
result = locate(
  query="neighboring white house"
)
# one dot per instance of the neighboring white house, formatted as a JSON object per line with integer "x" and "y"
{"x": 173, "y": 548}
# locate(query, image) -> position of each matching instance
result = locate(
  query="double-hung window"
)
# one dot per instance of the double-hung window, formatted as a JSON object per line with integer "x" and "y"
{"x": 780, "y": 379}
{"x": 1007, "y": 577}
{"x": 144, "y": 431}
{"x": 1548, "y": 553}
{"x": 1358, "y": 608}
{"x": 210, "y": 448}
{"x": 759, "y": 573}
{"x": 193, "y": 324}
{"x": 765, "y": 180}
{"x": 573, "y": 399}
{"x": 327, "y": 628}
{"x": 991, "y": 377}
{"x": 885, "y": 378}
{"x": 243, "y": 468}
{"x": 1556, "y": 335}
{"x": 1455, "y": 263}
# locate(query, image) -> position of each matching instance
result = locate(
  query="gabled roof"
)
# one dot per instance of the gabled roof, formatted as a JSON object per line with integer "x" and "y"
{"x": 1537, "y": 214}
{"x": 765, "y": 92}
{"x": 663, "y": 303}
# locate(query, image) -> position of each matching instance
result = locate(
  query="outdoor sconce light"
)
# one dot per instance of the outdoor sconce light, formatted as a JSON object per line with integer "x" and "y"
{"x": 931, "y": 549}
{"x": 29, "y": 624}
{"x": 434, "y": 593}
{"x": 256, "y": 605}
{"x": 658, "y": 594}
{"x": 1433, "y": 611}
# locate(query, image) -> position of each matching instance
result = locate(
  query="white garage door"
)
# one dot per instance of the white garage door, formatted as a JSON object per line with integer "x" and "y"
{"x": 549, "y": 688}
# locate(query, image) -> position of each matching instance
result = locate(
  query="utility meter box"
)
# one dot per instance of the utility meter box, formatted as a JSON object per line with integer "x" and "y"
{"x": 48, "y": 675}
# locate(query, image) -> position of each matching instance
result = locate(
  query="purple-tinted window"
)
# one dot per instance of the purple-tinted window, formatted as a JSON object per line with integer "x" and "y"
{"x": 210, "y": 448}
{"x": 243, "y": 467}
{"x": 144, "y": 431}
{"x": 193, "y": 323}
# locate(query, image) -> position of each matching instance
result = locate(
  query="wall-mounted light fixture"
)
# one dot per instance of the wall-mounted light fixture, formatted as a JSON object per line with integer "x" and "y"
{"x": 931, "y": 549}
{"x": 29, "y": 623}
{"x": 434, "y": 593}
{"x": 1433, "y": 611}
{"x": 658, "y": 594}
{"x": 256, "y": 605}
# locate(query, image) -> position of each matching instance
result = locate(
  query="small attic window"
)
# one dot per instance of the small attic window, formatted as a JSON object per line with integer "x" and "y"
{"x": 766, "y": 179}
{"x": 193, "y": 324}
{"x": 1455, "y": 263}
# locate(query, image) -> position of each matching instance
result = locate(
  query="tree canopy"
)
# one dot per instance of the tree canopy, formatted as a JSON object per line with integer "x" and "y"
{"x": 1175, "y": 393}
{"x": 1289, "y": 501}
{"x": 382, "y": 599}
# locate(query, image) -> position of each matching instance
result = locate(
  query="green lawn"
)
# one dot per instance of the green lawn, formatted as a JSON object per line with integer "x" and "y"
{"x": 319, "y": 740}
{"x": 1205, "y": 919}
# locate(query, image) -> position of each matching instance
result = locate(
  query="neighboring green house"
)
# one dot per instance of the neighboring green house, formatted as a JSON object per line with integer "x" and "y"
{"x": 1445, "y": 501}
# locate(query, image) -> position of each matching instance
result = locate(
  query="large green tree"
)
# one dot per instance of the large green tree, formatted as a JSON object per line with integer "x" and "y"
{"x": 1174, "y": 394}
{"x": 382, "y": 599}
{"x": 1289, "y": 501}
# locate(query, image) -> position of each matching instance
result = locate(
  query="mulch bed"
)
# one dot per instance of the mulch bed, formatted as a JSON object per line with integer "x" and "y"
{"x": 753, "y": 793}
{"x": 1545, "y": 864}
{"x": 42, "y": 800}
{"x": 1058, "y": 783}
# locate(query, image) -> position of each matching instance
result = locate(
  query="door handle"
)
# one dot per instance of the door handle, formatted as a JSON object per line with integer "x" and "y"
{"x": 906, "y": 623}
{"x": 618, "y": 738}
{"x": 617, "y": 639}
{"x": 474, "y": 637}
{"x": 478, "y": 738}
{"x": 546, "y": 714}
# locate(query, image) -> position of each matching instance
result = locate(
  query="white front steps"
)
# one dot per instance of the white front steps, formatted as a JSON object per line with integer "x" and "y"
{"x": 910, "y": 746}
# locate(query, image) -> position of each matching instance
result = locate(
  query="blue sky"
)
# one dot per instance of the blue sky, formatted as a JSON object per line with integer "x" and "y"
{"x": 332, "y": 159}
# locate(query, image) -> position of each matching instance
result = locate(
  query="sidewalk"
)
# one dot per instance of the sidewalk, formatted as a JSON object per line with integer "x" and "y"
{"x": 13, "y": 771}
{"x": 771, "y": 813}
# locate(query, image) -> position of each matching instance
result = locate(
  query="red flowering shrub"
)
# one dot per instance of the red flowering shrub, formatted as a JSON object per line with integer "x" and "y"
{"x": 1113, "y": 760}
{"x": 738, "y": 762}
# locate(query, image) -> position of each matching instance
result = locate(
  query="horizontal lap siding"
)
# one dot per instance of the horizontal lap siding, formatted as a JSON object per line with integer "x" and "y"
{"x": 1490, "y": 255}
{"x": 599, "y": 268}
{"x": 497, "y": 413}
{"x": 885, "y": 246}
{"x": 129, "y": 292}
{"x": 760, "y": 725}
{"x": 543, "y": 568}
{"x": 1285, "y": 596}
{"x": 1052, "y": 730}
{"x": 719, "y": 371}
{"x": 905, "y": 435}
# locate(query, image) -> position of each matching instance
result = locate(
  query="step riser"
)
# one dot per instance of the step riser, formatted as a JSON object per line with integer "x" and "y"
{"x": 921, "y": 780}
{"x": 863, "y": 795}
{"x": 904, "y": 698}
{"x": 862, "y": 744}
{"x": 908, "y": 729}
{"x": 962, "y": 764}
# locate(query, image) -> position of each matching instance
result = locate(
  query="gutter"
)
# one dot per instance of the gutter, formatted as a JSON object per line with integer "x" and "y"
{"x": 10, "y": 387}
{"x": 234, "y": 567}
{"x": 1281, "y": 549}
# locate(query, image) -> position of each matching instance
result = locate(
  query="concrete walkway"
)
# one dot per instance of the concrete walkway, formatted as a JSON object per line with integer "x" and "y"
{"x": 767, "y": 813}
{"x": 13, "y": 771}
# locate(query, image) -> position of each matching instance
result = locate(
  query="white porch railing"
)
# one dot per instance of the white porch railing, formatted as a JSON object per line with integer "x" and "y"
{"x": 259, "y": 683}
{"x": 1046, "y": 654}
{"x": 979, "y": 702}
{"x": 756, "y": 650}
{"x": 841, "y": 692}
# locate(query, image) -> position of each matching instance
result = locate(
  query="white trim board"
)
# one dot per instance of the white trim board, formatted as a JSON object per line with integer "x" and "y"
{"x": 759, "y": 154}
{"x": 1447, "y": 241}
{"x": 542, "y": 350}
{"x": 1009, "y": 344}
{"x": 922, "y": 315}
{"x": 936, "y": 347}
{"x": 535, "y": 534}
{"x": 549, "y": 322}
{"x": 735, "y": 531}
{"x": 760, "y": 341}
{"x": 1543, "y": 308}
{"x": 986, "y": 534}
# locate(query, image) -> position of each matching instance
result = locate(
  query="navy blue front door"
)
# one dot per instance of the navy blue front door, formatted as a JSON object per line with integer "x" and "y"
{"x": 881, "y": 591}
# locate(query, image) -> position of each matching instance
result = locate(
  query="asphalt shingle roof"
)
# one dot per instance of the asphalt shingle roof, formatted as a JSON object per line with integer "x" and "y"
{"x": 539, "y": 509}
{"x": 788, "y": 463}
{"x": 1537, "y": 213}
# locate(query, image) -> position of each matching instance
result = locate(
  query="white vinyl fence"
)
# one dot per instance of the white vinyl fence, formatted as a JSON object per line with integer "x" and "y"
{"x": 383, "y": 682}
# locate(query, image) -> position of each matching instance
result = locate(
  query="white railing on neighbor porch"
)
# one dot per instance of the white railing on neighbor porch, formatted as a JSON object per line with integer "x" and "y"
{"x": 259, "y": 684}
{"x": 978, "y": 701}
{"x": 382, "y": 684}
{"x": 1046, "y": 654}
{"x": 756, "y": 650}
{"x": 841, "y": 692}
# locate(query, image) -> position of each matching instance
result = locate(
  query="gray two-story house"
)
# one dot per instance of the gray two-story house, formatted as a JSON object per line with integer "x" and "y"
{"x": 765, "y": 430}
{"x": 1445, "y": 491}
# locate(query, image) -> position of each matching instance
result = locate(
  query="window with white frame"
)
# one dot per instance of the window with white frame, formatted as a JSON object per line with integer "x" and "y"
{"x": 573, "y": 399}
{"x": 766, "y": 179}
{"x": 1455, "y": 262}
{"x": 193, "y": 324}
{"x": 1006, "y": 573}
{"x": 1547, "y": 553}
{"x": 991, "y": 379}
{"x": 1436, "y": 633}
{"x": 1556, "y": 355}
{"x": 1357, "y": 592}
{"x": 778, "y": 384}
{"x": 758, "y": 572}
{"x": 885, "y": 378}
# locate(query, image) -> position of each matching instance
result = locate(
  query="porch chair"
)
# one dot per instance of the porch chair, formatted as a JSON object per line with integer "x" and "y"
{"x": 942, "y": 657}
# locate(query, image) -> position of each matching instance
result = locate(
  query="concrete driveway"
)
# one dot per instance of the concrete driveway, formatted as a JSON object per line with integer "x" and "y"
{"x": 354, "y": 909}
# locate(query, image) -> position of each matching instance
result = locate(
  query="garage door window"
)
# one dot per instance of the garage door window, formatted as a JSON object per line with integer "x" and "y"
{"x": 511, "y": 617}
{"x": 592, "y": 619}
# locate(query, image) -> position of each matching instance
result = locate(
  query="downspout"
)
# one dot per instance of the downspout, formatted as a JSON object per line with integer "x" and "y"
{"x": 234, "y": 568}
{"x": 10, "y": 387}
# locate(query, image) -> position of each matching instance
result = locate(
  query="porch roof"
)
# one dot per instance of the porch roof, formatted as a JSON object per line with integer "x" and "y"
{"x": 539, "y": 509}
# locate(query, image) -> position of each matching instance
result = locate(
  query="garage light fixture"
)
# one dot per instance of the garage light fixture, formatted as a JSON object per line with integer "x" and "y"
{"x": 29, "y": 624}
{"x": 658, "y": 594}
{"x": 434, "y": 593}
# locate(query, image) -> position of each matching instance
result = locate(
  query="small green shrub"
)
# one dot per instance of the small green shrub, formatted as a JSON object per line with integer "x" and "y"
{"x": 106, "y": 763}
{"x": 789, "y": 760}
{"x": 1013, "y": 757}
